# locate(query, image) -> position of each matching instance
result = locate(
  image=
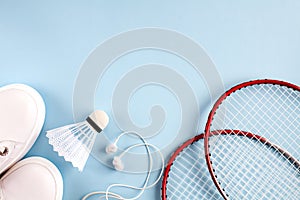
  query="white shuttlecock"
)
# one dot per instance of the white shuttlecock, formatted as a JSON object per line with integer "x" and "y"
{"x": 74, "y": 142}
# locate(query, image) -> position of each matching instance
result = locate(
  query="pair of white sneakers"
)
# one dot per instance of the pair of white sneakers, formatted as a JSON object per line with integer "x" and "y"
{"x": 22, "y": 115}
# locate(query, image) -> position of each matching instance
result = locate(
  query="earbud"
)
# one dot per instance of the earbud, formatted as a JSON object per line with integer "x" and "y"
{"x": 112, "y": 148}
{"x": 117, "y": 163}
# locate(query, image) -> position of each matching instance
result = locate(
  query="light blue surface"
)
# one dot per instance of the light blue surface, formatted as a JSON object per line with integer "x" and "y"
{"x": 43, "y": 44}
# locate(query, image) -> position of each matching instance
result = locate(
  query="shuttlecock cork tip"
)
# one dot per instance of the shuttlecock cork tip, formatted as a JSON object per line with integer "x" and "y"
{"x": 100, "y": 118}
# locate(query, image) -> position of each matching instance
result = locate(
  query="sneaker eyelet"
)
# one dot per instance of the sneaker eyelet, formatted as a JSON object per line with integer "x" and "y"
{"x": 4, "y": 151}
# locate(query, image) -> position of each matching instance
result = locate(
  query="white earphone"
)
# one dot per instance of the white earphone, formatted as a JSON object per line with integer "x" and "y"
{"x": 112, "y": 148}
{"x": 118, "y": 165}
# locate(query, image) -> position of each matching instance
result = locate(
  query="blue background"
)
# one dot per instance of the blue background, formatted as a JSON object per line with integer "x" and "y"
{"x": 44, "y": 43}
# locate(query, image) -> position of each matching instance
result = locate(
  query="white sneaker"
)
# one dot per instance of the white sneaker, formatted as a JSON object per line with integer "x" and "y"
{"x": 22, "y": 115}
{"x": 33, "y": 178}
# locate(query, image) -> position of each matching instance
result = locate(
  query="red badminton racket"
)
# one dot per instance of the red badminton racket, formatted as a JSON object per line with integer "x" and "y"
{"x": 244, "y": 165}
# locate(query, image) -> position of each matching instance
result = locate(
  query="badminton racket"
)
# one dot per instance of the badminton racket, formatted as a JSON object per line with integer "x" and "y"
{"x": 246, "y": 166}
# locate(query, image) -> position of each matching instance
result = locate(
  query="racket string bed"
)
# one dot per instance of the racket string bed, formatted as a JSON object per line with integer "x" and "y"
{"x": 200, "y": 178}
{"x": 249, "y": 168}
{"x": 185, "y": 183}
{"x": 263, "y": 168}
{"x": 257, "y": 123}
{"x": 188, "y": 177}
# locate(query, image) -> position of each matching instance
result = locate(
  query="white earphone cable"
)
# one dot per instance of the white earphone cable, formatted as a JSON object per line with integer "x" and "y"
{"x": 107, "y": 194}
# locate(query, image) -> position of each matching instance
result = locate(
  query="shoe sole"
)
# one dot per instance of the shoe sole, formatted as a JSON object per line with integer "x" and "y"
{"x": 53, "y": 170}
{"x": 40, "y": 119}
